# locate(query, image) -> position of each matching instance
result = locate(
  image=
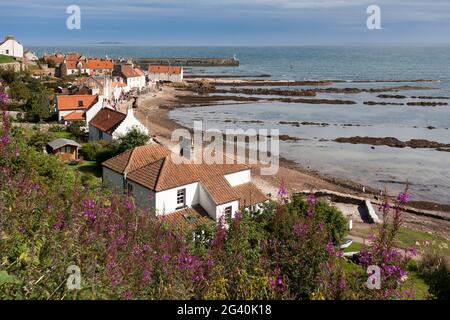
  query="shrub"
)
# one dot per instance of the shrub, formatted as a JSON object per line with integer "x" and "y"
{"x": 90, "y": 150}
{"x": 435, "y": 269}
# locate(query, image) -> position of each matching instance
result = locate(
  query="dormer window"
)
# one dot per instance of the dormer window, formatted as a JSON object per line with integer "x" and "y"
{"x": 80, "y": 104}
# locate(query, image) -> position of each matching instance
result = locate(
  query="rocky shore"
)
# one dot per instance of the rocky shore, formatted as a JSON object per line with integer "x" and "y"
{"x": 395, "y": 143}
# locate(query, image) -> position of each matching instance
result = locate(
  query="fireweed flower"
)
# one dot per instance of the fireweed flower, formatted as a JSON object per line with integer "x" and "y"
{"x": 403, "y": 197}
{"x": 282, "y": 191}
{"x": 311, "y": 200}
{"x": 330, "y": 248}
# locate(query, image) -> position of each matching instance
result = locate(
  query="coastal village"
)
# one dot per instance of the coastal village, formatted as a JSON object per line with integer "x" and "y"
{"x": 101, "y": 96}
{"x": 106, "y": 121}
{"x": 109, "y": 98}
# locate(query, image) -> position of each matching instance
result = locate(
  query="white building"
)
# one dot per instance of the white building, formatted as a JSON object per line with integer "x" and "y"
{"x": 10, "y": 47}
{"x": 165, "y": 73}
{"x": 133, "y": 77}
{"x": 110, "y": 125}
{"x": 150, "y": 174}
{"x": 78, "y": 107}
{"x": 74, "y": 67}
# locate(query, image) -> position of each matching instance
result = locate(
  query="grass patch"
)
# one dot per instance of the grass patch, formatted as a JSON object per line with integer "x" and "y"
{"x": 6, "y": 59}
{"x": 87, "y": 167}
{"x": 408, "y": 238}
{"x": 355, "y": 246}
{"x": 62, "y": 134}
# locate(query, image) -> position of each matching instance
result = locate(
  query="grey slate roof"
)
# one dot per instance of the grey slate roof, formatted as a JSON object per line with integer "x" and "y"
{"x": 61, "y": 142}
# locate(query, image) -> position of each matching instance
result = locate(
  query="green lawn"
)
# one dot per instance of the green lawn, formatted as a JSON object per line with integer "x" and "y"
{"x": 6, "y": 59}
{"x": 408, "y": 238}
{"x": 89, "y": 172}
{"x": 62, "y": 134}
{"x": 355, "y": 246}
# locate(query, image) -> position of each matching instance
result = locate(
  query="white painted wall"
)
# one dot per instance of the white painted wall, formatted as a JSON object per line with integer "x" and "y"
{"x": 112, "y": 179}
{"x": 90, "y": 114}
{"x": 238, "y": 178}
{"x": 220, "y": 210}
{"x": 206, "y": 202}
{"x": 155, "y": 76}
{"x": 166, "y": 201}
{"x": 11, "y": 48}
{"x": 127, "y": 124}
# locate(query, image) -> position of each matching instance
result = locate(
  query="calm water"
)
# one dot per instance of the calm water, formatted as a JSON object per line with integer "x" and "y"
{"x": 427, "y": 170}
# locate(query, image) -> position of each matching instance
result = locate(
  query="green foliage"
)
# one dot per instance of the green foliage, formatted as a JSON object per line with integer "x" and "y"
{"x": 435, "y": 269}
{"x": 39, "y": 139}
{"x": 90, "y": 150}
{"x": 331, "y": 217}
{"x": 75, "y": 129}
{"x": 19, "y": 91}
{"x": 39, "y": 107}
{"x": 6, "y": 59}
{"x": 134, "y": 138}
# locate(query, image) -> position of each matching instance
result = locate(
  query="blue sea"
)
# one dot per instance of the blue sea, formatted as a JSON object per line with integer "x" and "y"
{"x": 426, "y": 170}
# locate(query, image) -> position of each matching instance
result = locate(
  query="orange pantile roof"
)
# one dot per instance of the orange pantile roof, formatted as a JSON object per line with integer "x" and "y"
{"x": 187, "y": 219}
{"x": 139, "y": 72}
{"x": 250, "y": 194}
{"x": 99, "y": 64}
{"x": 107, "y": 120}
{"x": 164, "y": 69}
{"x": 119, "y": 84}
{"x": 75, "y": 116}
{"x": 152, "y": 167}
{"x": 76, "y": 102}
{"x": 127, "y": 71}
{"x": 73, "y": 64}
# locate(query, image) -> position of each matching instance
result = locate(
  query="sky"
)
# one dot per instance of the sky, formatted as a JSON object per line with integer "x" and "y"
{"x": 227, "y": 22}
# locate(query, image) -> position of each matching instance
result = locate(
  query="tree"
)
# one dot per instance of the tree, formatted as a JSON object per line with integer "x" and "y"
{"x": 18, "y": 91}
{"x": 134, "y": 138}
{"x": 39, "y": 107}
{"x": 75, "y": 129}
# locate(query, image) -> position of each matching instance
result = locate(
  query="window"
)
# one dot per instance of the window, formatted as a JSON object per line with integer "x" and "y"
{"x": 181, "y": 198}
{"x": 66, "y": 149}
{"x": 7, "y": 51}
{"x": 228, "y": 211}
{"x": 129, "y": 188}
{"x": 80, "y": 104}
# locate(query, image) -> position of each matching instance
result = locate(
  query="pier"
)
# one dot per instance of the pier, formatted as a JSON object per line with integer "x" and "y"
{"x": 188, "y": 62}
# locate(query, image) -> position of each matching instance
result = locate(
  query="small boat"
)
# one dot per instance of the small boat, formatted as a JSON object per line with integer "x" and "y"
{"x": 347, "y": 243}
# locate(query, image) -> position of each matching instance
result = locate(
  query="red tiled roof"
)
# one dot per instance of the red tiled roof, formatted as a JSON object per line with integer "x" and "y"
{"x": 119, "y": 84}
{"x": 73, "y": 64}
{"x": 75, "y": 116}
{"x": 98, "y": 64}
{"x": 250, "y": 194}
{"x": 107, "y": 120}
{"x": 164, "y": 69}
{"x": 152, "y": 167}
{"x": 139, "y": 72}
{"x": 187, "y": 219}
{"x": 76, "y": 102}
{"x": 127, "y": 71}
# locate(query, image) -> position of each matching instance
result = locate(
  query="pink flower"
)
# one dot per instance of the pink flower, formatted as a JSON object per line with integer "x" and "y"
{"x": 282, "y": 191}
{"x": 403, "y": 197}
{"x": 311, "y": 200}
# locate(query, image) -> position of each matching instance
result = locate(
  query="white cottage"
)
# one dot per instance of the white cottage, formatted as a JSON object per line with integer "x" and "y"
{"x": 10, "y": 47}
{"x": 78, "y": 107}
{"x": 165, "y": 73}
{"x": 156, "y": 181}
{"x": 110, "y": 125}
